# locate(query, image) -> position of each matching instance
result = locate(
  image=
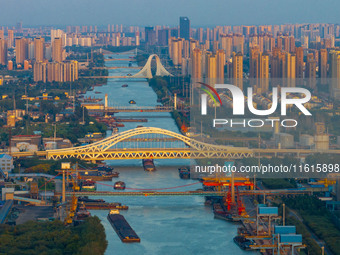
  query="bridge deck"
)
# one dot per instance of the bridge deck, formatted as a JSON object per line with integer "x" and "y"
{"x": 194, "y": 193}
{"x": 120, "y": 59}
{"x": 118, "y": 67}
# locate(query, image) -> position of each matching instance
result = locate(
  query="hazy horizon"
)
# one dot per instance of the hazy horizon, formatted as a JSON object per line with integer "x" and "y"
{"x": 161, "y": 12}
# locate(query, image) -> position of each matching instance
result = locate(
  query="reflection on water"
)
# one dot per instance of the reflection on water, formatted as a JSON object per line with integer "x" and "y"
{"x": 166, "y": 225}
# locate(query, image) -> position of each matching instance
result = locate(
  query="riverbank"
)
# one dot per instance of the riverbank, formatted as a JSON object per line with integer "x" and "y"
{"x": 53, "y": 238}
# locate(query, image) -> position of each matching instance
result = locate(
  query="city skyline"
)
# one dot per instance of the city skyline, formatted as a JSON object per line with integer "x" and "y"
{"x": 201, "y": 13}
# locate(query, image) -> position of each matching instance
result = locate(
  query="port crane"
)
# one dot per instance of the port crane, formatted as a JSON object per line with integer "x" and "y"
{"x": 74, "y": 200}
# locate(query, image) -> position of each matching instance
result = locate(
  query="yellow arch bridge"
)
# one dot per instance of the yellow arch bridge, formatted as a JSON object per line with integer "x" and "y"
{"x": 161, "y": 144}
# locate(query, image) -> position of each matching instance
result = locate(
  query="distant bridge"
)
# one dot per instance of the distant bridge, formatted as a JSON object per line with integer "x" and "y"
{"x": 133, "y": 109}
{"x": 144, "y": 73}
{"x": 119, "y": 59}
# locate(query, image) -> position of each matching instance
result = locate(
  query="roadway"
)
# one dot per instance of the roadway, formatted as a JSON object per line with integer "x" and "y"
{"x": 196, "y": 193}
{"x": 128, "y": 109}
{"x": 154, "y": 153}
{"x": 109, "y": 77}
{"x": 118, "y": 67}
{"x": 120, "y": 59}
{"x": 159, "y": 153}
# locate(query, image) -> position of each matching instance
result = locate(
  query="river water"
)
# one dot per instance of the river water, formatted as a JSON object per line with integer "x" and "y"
{"x": 166, "y": 225}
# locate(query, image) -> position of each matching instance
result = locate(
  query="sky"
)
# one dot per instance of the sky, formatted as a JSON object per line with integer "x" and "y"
{"x": 167, "y": 12}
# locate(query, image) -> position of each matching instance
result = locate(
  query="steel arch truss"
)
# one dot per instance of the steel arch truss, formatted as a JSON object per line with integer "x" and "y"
{"x": 102, "y": 150}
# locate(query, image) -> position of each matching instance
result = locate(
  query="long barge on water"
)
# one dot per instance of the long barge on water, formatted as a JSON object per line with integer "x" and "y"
{"x": 122, "y": 227}
{"x": 105, "y": 206}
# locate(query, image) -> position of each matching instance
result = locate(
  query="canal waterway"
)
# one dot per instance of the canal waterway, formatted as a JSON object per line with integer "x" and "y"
{"x": 166, "y": 225}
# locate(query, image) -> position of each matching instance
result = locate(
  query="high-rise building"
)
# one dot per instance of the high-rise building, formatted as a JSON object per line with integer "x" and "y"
{"x": 26, "y": 65}
{"x": 184, "y": 28}
{"x": 220, "y": 65}
{"x": 56, "y": 71}
{"x": 259, "y": 69}
{"x": 3, "y": 52}
{"x": 39, "y": 50}
{"x": 254, "y": 60}
{"x": 207, "y": 34}
{"x": 200, "y": 33}
{"x": 39, "y": 71}
{"x": 305, "y": 42}
{"x": 238, "y": 43}
{"x": 30, "y": 49}
{"x": 137, "y": 39}
{"x": 175, "y": 50}
{"x": 264, "y": 73}
{"x": 226, "y": 44}
{"x": 186, "y": 49}
{"x": 196, "y": 60}
{"x": 311, "y": 70}
{"x": 299, "y": 62}
{"x": 58, "y": 33}
{"x": 286, "y": 43}
{"x": 163, "y": 36}
{"x": 10, "y": 38}
{"x": 291, "y": 44}
{"x": 323, "y": 58}
{"x": 71, "y": 71}
{"x": 261, "y": 43}
{"x": 211, "y": 67}
{"x": 238, "y": 69}
{"x": 279, "y": 42}
{"x": 48, "y": 52}
{"x": 290, "y": 70}
{"x": 334, "y": 68}
{"x": 150, "y": 36}
{"x": 276, "y": 63}
{"x": 57, "y": 50}
{"x": 21, "y": 50}
{"x": 193, "y": 44}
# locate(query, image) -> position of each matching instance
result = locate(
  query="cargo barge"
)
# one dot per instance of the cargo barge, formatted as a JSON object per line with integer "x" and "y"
{"x": 82, "y": 213}
{"x": 86, "y": 199}
{"x": 148, "y": 165}
{"x": 244, "y": 243}
{"x": 119, "y": 185}
{"x": 122, "y": 227}
{"x": 222, "y": 213}
{"x": 103, "y": 173}
{"x": 100, "y": 204}
{"x": 184, "y": 173}
{"x": 88, "y": 185}
{"x": 99, "y": 177}
{"x": 105, "y": 206}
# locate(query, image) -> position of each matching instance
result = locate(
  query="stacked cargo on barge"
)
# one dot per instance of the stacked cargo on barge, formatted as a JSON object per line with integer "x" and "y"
{"x": 100, "y": 204}
{"x": 103, "y": 173}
